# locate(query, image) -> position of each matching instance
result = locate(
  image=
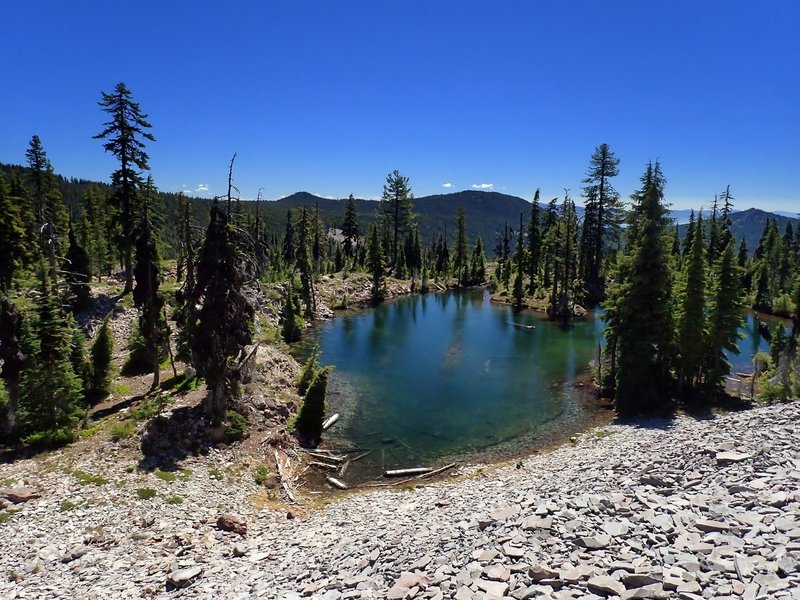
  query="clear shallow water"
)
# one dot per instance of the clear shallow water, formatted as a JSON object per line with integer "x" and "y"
{"x": 427, "y": 378}
{"x": 445, "y": 375}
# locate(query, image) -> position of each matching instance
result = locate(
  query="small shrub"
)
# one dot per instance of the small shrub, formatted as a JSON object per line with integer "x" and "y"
{"x": 87, "y": 433}
{"x": 235, "y": 425}
{"x": 146, "y": 493}
{"x": 260, "y": 474}
{"x": 173, "y": 500}
{"x": 89, "y": 479}
{"x": 5, "y": 516}
{"x": 185, "y": 474}
{"x": 120, "y": 389}
{"x": 149, "y": 408}
{"x": 165, "y": 475}
{"x": 66, "y": 505}
{"x": 120, "y": 431}
{"x": 216, "y": 474}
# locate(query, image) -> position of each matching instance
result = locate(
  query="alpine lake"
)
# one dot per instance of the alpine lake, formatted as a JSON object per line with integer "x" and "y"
{"x": 428, "y": 379}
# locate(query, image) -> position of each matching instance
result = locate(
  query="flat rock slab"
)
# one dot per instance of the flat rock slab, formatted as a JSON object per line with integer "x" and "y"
{"x": 183, "y": 577}
{"x": 605, "y": 585}
{"x": 724, "y": 458}
{"x": 19, "y": 495}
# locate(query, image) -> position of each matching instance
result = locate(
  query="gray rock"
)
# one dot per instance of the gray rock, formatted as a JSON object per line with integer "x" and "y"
{"x": 184, "y": 577}
{"x": 606, "y": 585}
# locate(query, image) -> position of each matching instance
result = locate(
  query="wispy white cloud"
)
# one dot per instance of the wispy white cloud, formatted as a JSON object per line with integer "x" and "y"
{"x": 447, "y": 185}
{"x": 202, "y": 187}
{"x": 482, "y": 186}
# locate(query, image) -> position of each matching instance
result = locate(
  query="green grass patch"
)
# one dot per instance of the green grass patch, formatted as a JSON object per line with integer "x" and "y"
{"x": 165, "y": 475}
{"x": 185, "y": 474}
{"x": 260, "y": 474}
{"x": 146, "y": 493}
{"x": 67, "y": 505}
{"x": 87, "y": 433}
{"x": 120, "y": 389}
{"x": 89, "y": 479}
{"x": 216, "y": 474}
{"x": 120, "y": 431}
{"x": 5, "y": 516}
{"x": 173, "y": 500}
{"x": 149, "y": 408}
{"x": 7, "y": 481}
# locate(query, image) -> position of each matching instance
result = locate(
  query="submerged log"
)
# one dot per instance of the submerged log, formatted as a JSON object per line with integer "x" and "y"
{"x": 337, "y": 483}
{"x": 437, "y": 471}
{"x": 522, "y": 326}
{"x": 330, "y": 421}
{"x": 323, "y": 465}
{"x": 407, "y": 472}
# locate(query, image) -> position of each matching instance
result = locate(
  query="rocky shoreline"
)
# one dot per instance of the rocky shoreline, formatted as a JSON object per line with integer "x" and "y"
{"x": 661, "y": 509}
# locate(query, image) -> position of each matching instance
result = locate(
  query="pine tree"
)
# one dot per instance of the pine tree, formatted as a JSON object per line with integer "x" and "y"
{"x": 692, "y": 330}
{"x": 77, "y": 273}
{"x": 460, "y": 250}
{"x": 124, "y": 134}
{"x": 534, "y": 244}
{"x": 93, "y": 231}
{"x": 602, "y": 219}
{"x": 350, "y": 226}
{"x": 289, "y": 249}
{"x": 519, "y": 267}
{"x": 397, "y": 208}
{"x": 375, "y": 265}
{"x": 101, "y": 354}
{"x": 51, "y": 401}
{"x": 303, "y": 263}
{"x": 477, "y": 268}
{"x": 291, "y": 321}
{"x": 724, "y": 319}
{"x": 50, "y": 210}
{"x": 146, "y": 295}
{"x": 223, "y": 326}
{"x": 639, "y": 324}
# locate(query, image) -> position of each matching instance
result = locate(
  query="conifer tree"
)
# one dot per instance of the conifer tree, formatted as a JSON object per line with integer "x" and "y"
{"x": 602, "y": 218}
{"x": 303, "y": 263}
{"x": 292, "y": 322}
{"x": 519, "y": 267}
{"x": 639, "y": 324}
{"x": 477, "y": 268}
{"x": 692, "y": 330}
{"x": 146, "y": 295}
{"x": 125, "y": 133}
{"x": 350, "y": 226}
{"x": 223, "y": 326}
{"x": 724, "y": 319}
{"x": 101, "y": 353}
{"x": 534, "y": 244}
{"x": 397, "y": 208}
{"x": 93, "y": 231}
{"x": 460, "y": 250}
{"x": 77, "y": 273}
{"x": 51, "y": 397}
{"x": 51, "y": 214}
{"x": 289, "y": 249}
{"x": 375, "y": 265}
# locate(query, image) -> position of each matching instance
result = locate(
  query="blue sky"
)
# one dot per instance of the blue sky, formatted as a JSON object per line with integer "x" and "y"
{"x": 328, "y": 97}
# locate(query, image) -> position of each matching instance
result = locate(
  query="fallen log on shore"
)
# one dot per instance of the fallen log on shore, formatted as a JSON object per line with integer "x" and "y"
{"x": 407, "y": 472}
{"x": 337, "y": 483}
{"x": 329, "y": 422}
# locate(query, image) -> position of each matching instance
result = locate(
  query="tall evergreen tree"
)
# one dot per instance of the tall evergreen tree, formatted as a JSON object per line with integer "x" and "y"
{"x": 692, "y": 330}
{"x": 639, "y": 323}
{"x": 146, "y": 295}
{"x": 51, "y": 402}
{"x": 519, "y": 266}
{"x": 77, "y": 270}
{"x": 375, "y": 264}
{"x": 101, "y": 353}
{"x": 602, "y": 219}
{"x": 397, "y": 208}
{"x": 304, "y": 264}
{"x": 289, "y": 248}
{"x": 724, "y": 319}
{"x": 224, "y": 323}
{"x": 350, "y": 226}
{"x": 94, "y": 231}
{"x": 534, "y": 244}
{"x": 13, "y": 359}
{"x": 124, "y": 134}
{"x": 460, "y": 250}
{"x": 477, "y": 266}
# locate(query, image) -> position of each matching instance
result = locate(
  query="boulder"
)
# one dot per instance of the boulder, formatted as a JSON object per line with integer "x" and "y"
{"x": 231, "y": 522}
